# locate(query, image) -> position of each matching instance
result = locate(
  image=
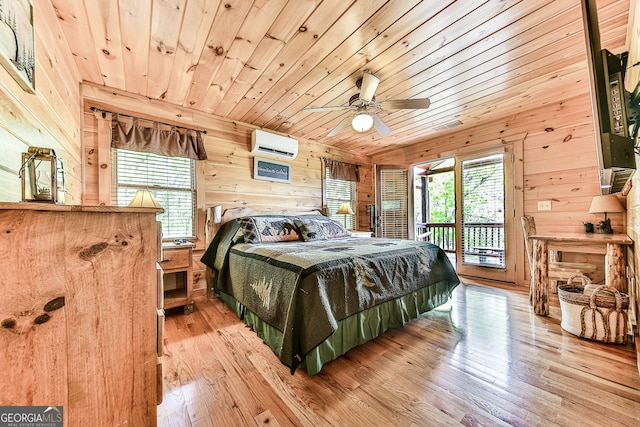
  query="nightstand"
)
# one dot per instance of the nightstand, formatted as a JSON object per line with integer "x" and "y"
{"x": 177, "y": 266}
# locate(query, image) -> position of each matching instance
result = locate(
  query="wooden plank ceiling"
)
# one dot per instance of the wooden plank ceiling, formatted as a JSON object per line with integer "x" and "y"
{"x": 261, "y": 62}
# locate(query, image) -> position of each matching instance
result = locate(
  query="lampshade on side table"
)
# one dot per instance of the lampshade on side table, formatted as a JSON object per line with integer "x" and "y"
{"x": 607, "y": 203}
{"x": 144, "y": 199}
{"x": 345, "y": 209}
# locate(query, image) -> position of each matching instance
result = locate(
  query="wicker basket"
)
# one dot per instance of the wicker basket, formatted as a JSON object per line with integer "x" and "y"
{"x": 601, "y": 316}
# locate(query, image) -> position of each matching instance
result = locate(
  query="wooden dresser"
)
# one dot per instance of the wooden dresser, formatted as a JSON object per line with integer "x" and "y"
{"x": 78, "y": 311}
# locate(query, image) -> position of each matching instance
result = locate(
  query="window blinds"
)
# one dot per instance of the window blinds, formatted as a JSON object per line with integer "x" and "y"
{"x": 172, "y": 181}
{"x": 339, "y": 191}
{"x": 393, "y": 203}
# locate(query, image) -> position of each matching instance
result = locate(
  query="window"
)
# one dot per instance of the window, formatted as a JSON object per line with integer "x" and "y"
{"x": 483, "y": 211}
{"x": 338, "y": 191}
{"x": 170, "y": 179}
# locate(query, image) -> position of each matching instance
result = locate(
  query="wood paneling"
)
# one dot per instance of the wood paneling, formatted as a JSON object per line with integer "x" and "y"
{"x": 261, "y": 62}
{"x": 50, "y": 117}
{"x": 633, "y": 198}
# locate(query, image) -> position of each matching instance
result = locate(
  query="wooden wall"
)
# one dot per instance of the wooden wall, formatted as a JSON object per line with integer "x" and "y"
{"x": 49, "y": 118}
{"x": 633, "y": 197}
{"x": 558, "y": 160}
{"x": 558, "y": 163}
{"x": 226, "y": 177}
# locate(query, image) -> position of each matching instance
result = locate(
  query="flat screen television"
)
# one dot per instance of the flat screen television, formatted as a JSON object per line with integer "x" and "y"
{"x": 616, "y": 128}
{"x": 615, "y": 110}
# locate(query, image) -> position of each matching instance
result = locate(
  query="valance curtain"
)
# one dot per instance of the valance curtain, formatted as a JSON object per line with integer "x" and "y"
{"x": 175, "y": 142}
{"x": 341, "y": 170}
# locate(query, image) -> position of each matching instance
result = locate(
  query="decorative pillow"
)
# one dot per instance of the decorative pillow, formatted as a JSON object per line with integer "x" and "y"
{"x": 333, "y": 229}
{"x": 320, "y": 228}
{"x": 262, "y": 229}
{"x": 311, "y": 228}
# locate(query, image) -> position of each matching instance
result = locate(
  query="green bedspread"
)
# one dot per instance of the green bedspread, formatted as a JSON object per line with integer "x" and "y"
{"x": 303, "y": 289}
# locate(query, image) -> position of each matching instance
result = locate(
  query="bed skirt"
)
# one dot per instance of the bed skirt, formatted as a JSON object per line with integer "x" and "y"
{"x": 353, "y": 330}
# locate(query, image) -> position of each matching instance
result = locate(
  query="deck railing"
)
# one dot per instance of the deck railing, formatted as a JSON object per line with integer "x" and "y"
{"x": 441, "y": 234}
{"x": 482, "y": 243}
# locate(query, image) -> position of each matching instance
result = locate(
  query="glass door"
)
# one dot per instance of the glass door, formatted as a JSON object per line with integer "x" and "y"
{"x": 435, "y": 204}
{"x": 484, "y": 221}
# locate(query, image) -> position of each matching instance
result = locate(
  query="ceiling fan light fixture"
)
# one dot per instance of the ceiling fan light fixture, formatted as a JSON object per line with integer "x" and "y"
{"x": 362, "y": 122}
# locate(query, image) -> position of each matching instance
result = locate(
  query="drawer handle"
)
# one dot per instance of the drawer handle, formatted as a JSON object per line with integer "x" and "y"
{"x": 166, "y": 260}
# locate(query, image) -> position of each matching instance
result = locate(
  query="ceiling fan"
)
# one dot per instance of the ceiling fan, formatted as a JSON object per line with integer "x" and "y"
{"x": 362, "y": 103}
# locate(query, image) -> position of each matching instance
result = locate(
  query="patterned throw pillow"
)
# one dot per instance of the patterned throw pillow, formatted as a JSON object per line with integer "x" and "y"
{"x": 262, "y": 229}
{"x": 311, "y": 229}
{"x": 320, "y": 229}
{"x": 333, "y": 229}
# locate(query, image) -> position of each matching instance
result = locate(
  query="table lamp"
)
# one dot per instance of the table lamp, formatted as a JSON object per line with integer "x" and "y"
{"x": 604, "y": 204}
{"x": 144, "y": 199}
{"x": 345, "y": 209}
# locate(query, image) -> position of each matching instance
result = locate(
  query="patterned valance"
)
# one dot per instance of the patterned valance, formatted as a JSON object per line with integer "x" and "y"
{"x": 341, "y": 170}
{"x": 174, "y": 142}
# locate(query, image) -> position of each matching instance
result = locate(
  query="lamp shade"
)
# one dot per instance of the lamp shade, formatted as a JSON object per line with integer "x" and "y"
{"x": 362, "y": 122}
{"x": 605, "y": 204}
{"x": 345, "y": 209}
{"x": 144, "y": 199}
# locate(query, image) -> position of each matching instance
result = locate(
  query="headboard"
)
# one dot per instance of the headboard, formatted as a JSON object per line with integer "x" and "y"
{"x": 211, "y": 227}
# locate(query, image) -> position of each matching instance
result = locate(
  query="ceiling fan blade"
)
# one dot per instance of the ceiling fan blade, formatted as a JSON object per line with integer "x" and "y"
{"x": 380, "y": 126}
{"x": 343, "y": 124}
{"x": 406, "y": 104}
{"x": 328, "y": 108}
{"x": 369, "y": 86}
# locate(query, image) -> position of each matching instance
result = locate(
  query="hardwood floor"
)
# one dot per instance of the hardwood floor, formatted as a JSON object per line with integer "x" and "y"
{"x": 487, "y": 361}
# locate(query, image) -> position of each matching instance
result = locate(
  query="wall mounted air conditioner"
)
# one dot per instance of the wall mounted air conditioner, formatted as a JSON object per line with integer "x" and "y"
{"x": 270, "y": 144}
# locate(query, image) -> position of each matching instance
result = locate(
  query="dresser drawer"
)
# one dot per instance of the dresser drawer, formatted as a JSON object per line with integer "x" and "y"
{"x": 176, "y": 258}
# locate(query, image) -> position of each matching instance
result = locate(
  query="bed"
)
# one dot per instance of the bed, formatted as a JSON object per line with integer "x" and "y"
{"x": 312, "y": 291}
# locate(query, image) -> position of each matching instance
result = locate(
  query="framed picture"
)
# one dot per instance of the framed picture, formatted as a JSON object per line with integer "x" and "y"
{"x": 17, "y": 53}
{"x": 271, "y": 170}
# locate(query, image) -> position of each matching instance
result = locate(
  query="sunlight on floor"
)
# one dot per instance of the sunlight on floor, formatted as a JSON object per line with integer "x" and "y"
{"x": 447, "y": 306}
